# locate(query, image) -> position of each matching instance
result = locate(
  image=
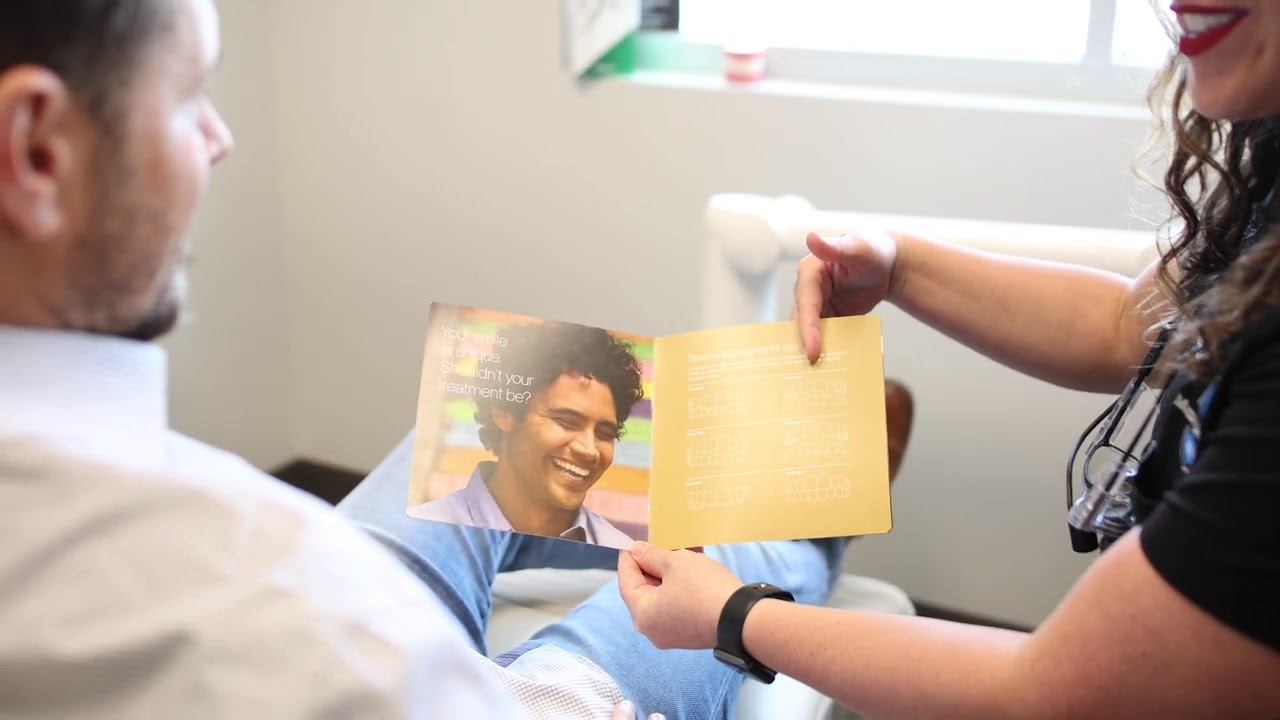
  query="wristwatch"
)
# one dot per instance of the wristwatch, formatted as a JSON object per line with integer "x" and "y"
{"x": 729, "y": 649}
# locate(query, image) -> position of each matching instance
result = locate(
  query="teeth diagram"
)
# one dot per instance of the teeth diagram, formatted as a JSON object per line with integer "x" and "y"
{"x": 815, "y": 439}
{"x": 716, "y": 450}
{"x": 815, "y": 393}
{"x": 716, "y": 498}
{"x": 717, "y": 404}
{"x": 818, "y": 489}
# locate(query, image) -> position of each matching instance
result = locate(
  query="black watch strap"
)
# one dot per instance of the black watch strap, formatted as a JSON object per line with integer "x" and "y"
{"x": 729, "y": 647}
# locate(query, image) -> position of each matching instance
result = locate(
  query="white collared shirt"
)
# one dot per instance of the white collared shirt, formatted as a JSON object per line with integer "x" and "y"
{"x": 143, "y": 574}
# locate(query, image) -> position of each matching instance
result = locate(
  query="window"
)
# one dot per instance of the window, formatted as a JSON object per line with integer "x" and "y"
{"x": 1105, "y": 49}
{"x": 1141, "y": 37}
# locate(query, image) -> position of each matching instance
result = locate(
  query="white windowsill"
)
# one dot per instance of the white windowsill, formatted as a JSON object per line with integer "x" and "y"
{"x": 665, "y": 60}
{"x": 890, "y": 96}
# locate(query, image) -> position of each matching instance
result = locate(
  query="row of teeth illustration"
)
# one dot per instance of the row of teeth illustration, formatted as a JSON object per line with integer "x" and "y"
{"x": 815, "y": 432}
{"x": 815, "y": 449}
{"x": 818, "y": 489}
{"x": 816, "y": 393}
{"x": 816, "y": 401}
{"x": 717, "y": 404}
{"x": 717, "y": 498}
{"x": 720, "y": 450}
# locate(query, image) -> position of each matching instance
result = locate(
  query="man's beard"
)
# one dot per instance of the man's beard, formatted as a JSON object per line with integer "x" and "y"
{"x": 163, "y": 315}
{"x": 116, "y": 262}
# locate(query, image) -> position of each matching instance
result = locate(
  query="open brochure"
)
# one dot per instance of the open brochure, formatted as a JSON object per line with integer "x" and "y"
{"x": 702, "y": 438}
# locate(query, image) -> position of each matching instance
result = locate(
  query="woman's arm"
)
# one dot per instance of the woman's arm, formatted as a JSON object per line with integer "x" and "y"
{"x": 1074, "y": 326}
{"x": 1071, "y": 325}
{"x": 1122, "y": 644}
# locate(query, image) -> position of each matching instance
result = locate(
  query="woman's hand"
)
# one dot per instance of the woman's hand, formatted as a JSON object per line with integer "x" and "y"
{"x": 675, "y": 598}
{"x": 844, "y": 275}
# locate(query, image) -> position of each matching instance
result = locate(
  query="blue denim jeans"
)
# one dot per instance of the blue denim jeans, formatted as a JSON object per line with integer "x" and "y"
{"x": 460, "y": 563}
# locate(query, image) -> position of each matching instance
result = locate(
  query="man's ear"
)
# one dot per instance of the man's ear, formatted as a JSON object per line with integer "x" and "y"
{"x": 503, "y": 419}
{"x": 41, "y": 128}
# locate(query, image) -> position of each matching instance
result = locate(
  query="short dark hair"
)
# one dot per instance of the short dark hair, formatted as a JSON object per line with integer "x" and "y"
{"x": 93, "y": 45}
{"x": 544, "y": 352}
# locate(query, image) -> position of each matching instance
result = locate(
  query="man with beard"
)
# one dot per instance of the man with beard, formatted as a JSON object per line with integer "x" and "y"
{"x": 143, "y": 574}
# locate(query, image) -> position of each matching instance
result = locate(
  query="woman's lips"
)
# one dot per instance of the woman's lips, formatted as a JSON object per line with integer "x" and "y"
{"x": 1204, "y": 27}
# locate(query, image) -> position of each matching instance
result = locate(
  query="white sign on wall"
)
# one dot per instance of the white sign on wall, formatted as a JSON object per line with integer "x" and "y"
{"x": 594, "y": 27}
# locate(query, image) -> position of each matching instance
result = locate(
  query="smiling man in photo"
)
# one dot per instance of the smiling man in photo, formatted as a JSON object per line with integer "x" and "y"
{"x": 555, "y": 442}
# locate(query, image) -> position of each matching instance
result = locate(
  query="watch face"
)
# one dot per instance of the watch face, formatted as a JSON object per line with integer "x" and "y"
{"x": 731, "y": 660}
{"x": 750, "y": 669}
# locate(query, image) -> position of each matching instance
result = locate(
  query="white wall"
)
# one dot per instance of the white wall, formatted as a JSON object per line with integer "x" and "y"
{"x": 230, "y": 363}
{"x": 436, "y": 151}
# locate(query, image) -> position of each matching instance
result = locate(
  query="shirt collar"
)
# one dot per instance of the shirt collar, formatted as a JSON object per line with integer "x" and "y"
{"x": 95, "y": 394}
{"x": 486, "y": 513}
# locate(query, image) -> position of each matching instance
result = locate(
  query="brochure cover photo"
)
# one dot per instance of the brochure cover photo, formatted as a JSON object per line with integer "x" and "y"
{"x": 599, "y": 436}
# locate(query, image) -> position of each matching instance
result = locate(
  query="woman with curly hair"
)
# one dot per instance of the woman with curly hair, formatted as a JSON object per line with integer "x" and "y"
{"x": 1180, "y": 615}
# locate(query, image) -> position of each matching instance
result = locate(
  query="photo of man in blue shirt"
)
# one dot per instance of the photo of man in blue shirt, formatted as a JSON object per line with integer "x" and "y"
{"x": 553, "y": 442}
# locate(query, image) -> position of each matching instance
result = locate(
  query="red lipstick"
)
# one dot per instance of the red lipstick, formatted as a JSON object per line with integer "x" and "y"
{"x": 1197, "y": 42}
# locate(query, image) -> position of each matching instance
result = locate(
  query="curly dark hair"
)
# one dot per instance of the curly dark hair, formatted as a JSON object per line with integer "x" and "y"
{"x": 93, "y": 45}
{"x": 1220, "y": 181}
{"x": 544, "y": 352}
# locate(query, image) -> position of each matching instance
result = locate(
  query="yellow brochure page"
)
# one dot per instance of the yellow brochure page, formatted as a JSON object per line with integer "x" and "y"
{"x": 751, "y": 442}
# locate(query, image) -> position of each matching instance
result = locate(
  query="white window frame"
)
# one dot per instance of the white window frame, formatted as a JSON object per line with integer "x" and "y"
{"x": 1095, "y": 78}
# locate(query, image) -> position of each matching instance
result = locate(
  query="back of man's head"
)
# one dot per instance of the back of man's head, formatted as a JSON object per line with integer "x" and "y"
{"x": 107, "y": 138}
{"x": 93, "y": 45}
